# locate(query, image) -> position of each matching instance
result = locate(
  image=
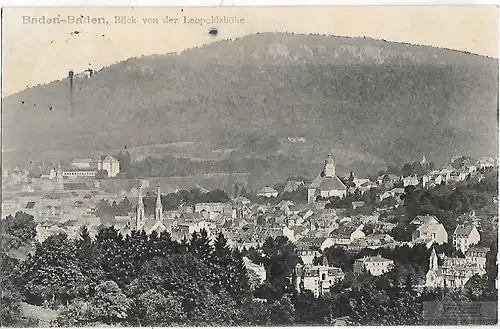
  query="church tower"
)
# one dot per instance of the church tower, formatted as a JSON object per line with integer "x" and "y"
{"x": 432, "y": 278}
{"x": 140, "y": 220}
{"x": 329, "y": 166}
{"x": 159, "y": 206}
{"x": 433, "y": 261}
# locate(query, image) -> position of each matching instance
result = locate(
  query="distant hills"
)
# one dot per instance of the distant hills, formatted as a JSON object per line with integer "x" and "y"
{"x": 373, "y": 102}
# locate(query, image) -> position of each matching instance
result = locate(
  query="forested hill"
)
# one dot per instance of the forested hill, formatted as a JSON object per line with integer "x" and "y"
{"x": 382, "y": 101}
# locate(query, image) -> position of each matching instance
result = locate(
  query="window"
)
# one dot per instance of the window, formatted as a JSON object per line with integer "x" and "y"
{"x": 323, "y": 276}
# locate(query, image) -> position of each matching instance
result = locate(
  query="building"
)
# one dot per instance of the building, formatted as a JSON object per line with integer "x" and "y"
{"x": 410, "y": 181}
{"x": 308, "y": 255}
{"x": 327, "y": 184}
{"x": 318, "y": 243}
{"x": 86, "y": 163}
{"x": 185, "y": 229}
{"x": 477, "y": 255}
{"x": 258, "y": 269}
{"x": 156, "y": 224}
{"x": 267, "y": 192}
{"x": 375, "y": 265}
{"x": 394, "y": 193}
{"x": 430, "y": 230}
{"x": 347, "y": 234}
{"x": 465, "y": 236}
{"x": 74, "y": 173}
{"x": 110, "y": 164}
{"x": 453, "y": 273}
{"x": 317, "y": 278}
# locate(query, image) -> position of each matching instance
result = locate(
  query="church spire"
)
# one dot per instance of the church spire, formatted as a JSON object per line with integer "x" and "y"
{"x": 159, "y": 206}
{"x": 140, "y": 220}
{"x": 433, "y": 260}
{"x": 329, "y": 165}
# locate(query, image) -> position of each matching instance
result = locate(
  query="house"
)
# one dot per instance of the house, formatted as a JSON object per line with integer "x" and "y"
{"x": 327, "y": 184}
{"x": 308, "y": 255}
{"x": 320, "y": 243}
{"x": 347, "y": 234}
{"x": 267, "y": 192}
{"x": 446, "y": 174}
{"x": 477, "y": 255}
{"x": 465, "y": 236}
{"x": 388, "y": 180}
{"x": 319, "y": 278}
{"x": 486, "y": 163}
{"x": 358, "y": 204}
{"x": 378, "y": 239}
{"x": 453, "y": 273}
{"x": 410, "y": 181}
{"x": 258, "y": 269}
{"x": 375, "y": 265}
{"x": 430, "y": 229}
{"x": 432, "y": 179}
{"x": 394, "y": 193}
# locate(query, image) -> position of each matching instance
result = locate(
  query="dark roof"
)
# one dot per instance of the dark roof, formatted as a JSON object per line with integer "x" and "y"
{"x": 30, "y": 205}
{"x": 331, "y": 183}
{"x": 463, "y": 230}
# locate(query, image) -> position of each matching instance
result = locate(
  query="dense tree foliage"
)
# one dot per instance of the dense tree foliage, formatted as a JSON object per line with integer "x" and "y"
{"x": 17, "y": 232}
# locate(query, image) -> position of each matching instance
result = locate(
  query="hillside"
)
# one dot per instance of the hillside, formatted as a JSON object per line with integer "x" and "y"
{"x": 373, "y": 102}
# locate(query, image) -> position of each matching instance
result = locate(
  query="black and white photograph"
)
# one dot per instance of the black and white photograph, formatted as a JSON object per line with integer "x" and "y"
{"x": 249, "y": 166}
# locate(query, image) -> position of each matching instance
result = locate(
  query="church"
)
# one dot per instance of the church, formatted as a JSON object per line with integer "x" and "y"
{"x": 141, "y": 222}
{"x": 327, "y": 184}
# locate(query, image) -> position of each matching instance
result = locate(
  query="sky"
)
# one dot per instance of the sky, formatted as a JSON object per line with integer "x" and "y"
{"x": 40, "y": 53}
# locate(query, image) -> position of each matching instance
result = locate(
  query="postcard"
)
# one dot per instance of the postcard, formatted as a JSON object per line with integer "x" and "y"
{"x": 249, "y": 166}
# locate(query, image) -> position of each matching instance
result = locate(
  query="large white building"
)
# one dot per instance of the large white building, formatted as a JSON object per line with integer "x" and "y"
{"x": 318, "y": 278}
{"x": 110, "y": 164}
{"x": 455, "y": 272}
{"x": 375, "y": 265}
{"x": 327, "y": 184}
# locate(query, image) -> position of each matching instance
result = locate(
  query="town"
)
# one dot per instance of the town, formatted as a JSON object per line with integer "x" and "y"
{"x": 440, "y": 224}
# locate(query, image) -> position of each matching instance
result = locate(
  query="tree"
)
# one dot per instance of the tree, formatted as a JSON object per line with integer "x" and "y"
{"x": 282, "y": 311}
{"x": 159, "y": 309}
{"x": 101, "y": 174}
{"x": 280, "y": 259}
{"x": 10, "y": 311}
{"x": 53, "y": 272}
{"x": 407, "y": 169}
{"x": 18, "y": 230}
{"x": 109, "y": 305}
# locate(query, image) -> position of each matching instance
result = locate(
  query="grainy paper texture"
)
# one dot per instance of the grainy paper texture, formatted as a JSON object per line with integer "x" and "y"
{"x": 249, "y": 166}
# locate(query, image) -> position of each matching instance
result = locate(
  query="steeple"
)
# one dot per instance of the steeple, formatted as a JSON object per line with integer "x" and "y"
{"x": 140, "y": 220}
{"x": 159, "y": 207}
{"x": 433, "y": 260}
{"x": 329, "y": 165}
